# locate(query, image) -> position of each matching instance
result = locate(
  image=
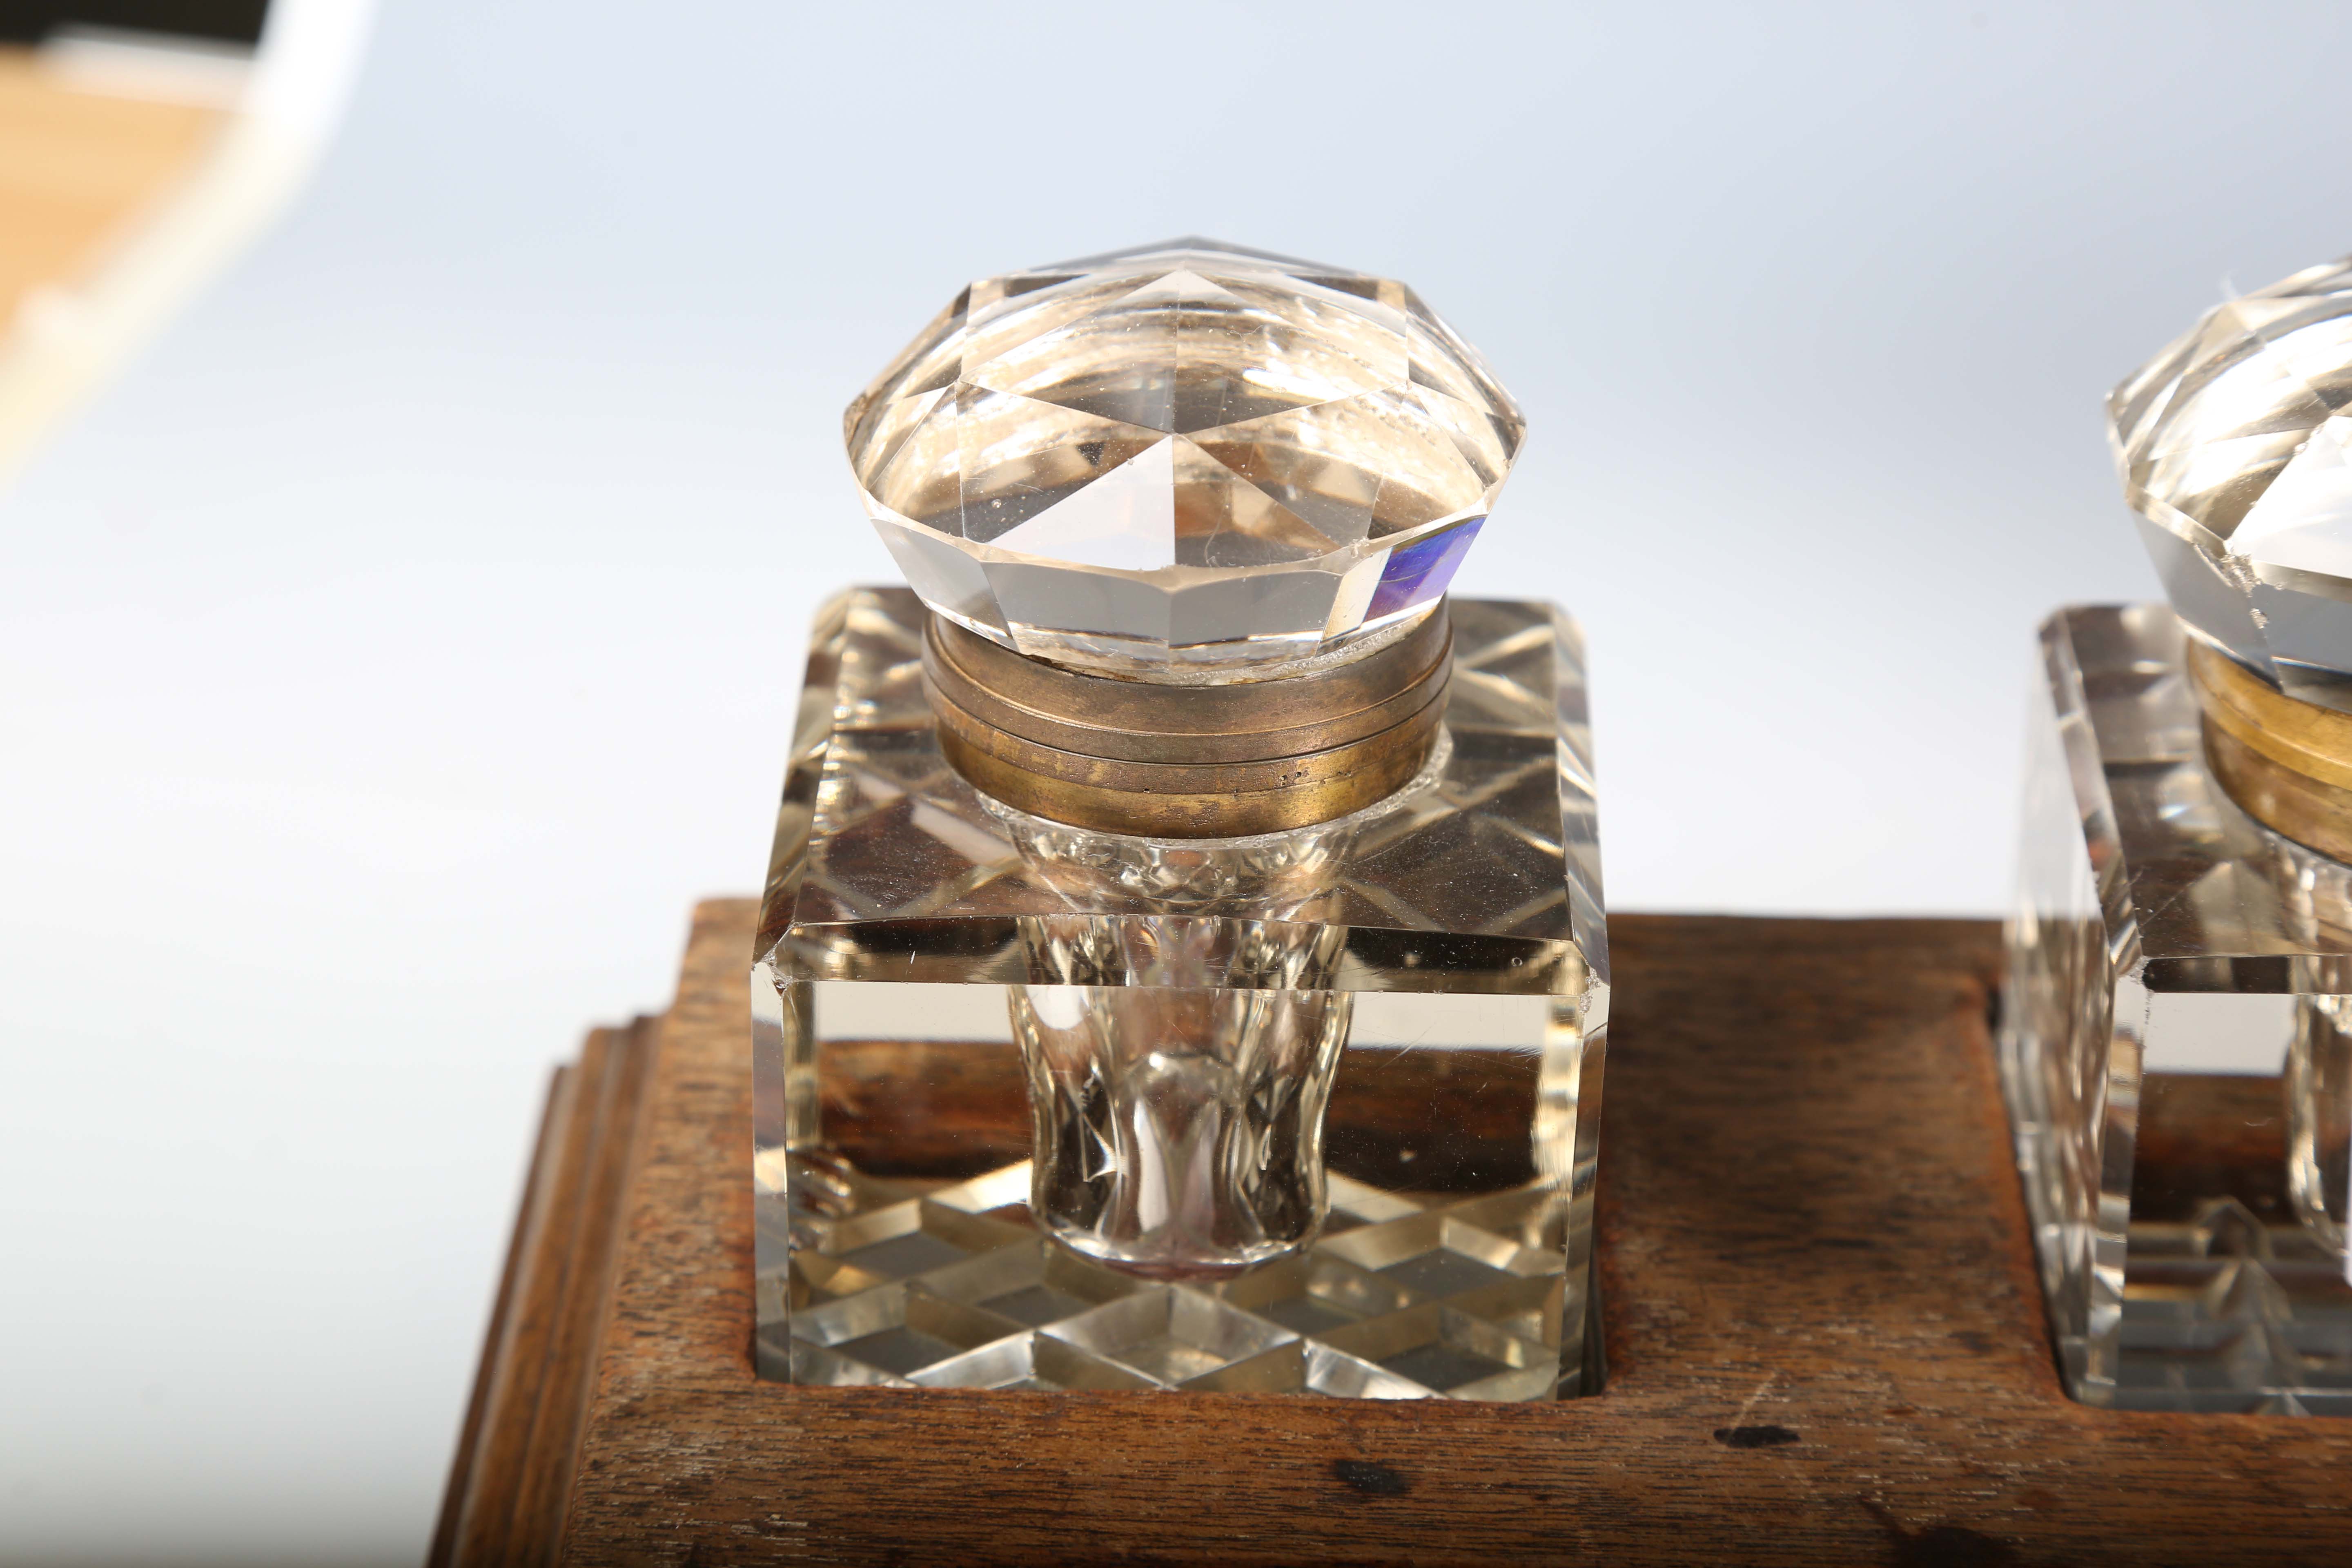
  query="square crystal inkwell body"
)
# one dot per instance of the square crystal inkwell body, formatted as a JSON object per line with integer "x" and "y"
{"x": 2174, "y": 1049}
{"x": 2176, "y": 1023}
{"x": 1412, "y": 1003}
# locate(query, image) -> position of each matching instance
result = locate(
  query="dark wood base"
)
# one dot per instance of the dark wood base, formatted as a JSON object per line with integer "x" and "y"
{"x": 1825, "y": 1340}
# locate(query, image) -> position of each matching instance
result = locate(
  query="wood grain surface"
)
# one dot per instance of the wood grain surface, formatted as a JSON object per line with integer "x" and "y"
{"x": 519, "y": 1452}
{"x": 1825, "y": 1342}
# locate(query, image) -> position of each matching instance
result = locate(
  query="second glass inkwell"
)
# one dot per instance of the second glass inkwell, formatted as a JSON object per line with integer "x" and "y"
{"x": 2176, "y": 1040}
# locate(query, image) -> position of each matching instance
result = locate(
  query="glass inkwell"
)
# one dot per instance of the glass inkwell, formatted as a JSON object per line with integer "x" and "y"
{"x": 1181, "y": 961}
{"x": 2176, "y": 1023}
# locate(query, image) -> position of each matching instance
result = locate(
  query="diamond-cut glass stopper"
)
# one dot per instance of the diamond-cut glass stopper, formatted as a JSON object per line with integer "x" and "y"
{"x": 2232, "y": 445}
{"x": 1187, "y": 461}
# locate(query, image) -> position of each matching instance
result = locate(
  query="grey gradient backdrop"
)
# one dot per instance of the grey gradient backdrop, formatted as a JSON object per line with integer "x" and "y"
{"x": 406, "y": 639}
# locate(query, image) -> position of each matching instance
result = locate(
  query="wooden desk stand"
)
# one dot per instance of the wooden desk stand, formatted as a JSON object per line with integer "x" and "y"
{"x": 1825, "y": 1340}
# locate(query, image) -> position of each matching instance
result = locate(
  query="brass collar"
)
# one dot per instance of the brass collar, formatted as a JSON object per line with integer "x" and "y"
{"x": 2286, "y": 762}
{"x": 1187, "y": 762}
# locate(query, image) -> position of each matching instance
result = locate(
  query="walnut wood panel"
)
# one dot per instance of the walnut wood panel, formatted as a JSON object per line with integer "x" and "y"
{"x": 1825, "y": 1340}
{"x": 519, "y": 1449}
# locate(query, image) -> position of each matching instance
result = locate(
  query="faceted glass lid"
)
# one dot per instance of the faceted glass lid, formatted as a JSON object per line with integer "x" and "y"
{"x": 1185, "y": 461}
{"x": 2232, "y": 445}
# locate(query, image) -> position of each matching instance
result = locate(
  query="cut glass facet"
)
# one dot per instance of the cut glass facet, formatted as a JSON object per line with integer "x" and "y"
{"x": 2173, "y": 1049}
{"x": 1314, "y": 1112}
{"x": 1183, "y": 459}
{"x": 2231, "y": 445}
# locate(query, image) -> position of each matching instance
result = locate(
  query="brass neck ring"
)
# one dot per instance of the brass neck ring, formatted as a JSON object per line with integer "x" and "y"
{"x": 2287, "y": 763}
{"x": 1187, "y": 762}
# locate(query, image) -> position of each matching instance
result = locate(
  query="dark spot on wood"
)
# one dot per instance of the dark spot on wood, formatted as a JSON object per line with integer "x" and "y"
{"x": 1372, "y": 1480}
{"x": 1765, "y": 1436}
{"x": 1940, "y": 1545}
{"x": 1950, "y": 1546}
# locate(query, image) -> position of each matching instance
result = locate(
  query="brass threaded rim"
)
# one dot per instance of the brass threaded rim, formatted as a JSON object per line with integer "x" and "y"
{"x": 2285, "y": 762}
{"x": 1103, "y": 716}
{"x": 1187, "y": 762}
{"x": 1134, "y": 807}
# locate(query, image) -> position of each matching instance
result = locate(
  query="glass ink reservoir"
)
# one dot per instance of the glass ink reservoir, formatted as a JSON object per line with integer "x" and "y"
{"x": 2177, "y": 1034}
{"x": 1182, "y": 961}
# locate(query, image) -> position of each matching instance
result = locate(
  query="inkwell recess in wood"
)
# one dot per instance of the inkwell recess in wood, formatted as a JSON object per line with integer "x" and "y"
{"x": 1181, "y": 962}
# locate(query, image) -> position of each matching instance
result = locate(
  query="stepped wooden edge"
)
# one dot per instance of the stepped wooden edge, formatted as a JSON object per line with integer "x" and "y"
{"x": 519, "y": 1451}
{"x": 1825, "y": 1340}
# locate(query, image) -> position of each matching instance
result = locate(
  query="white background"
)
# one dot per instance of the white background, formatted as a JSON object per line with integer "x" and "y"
{"x": 405, "y": 641}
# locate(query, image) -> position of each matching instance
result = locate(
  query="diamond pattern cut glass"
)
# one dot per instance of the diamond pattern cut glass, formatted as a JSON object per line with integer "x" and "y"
{"x": 1312, "y": 1112}
{"x": 1184, "y": 458}
{"x": 2231, "y": 443}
